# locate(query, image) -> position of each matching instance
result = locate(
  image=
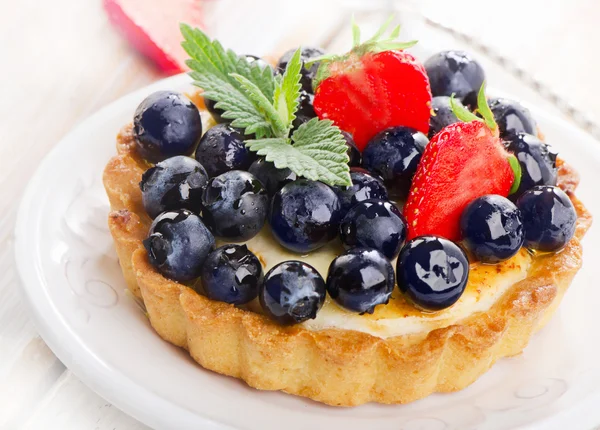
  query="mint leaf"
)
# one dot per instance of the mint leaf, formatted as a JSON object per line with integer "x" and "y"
{"x": 263, "y": 105}
{"x": 318, "y": 152}
{"x": 212, "y": 67}
{"x": 287, "y": 91}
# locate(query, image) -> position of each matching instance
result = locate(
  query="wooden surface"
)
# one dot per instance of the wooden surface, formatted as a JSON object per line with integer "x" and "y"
{"x": 62, "y": 61}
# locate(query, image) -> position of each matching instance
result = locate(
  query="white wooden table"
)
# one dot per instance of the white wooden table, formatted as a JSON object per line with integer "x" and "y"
{"x": 61, "y": 61}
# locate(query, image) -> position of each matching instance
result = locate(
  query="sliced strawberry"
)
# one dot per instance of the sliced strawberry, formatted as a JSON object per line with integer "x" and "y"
{"x": 462, "y": 162}
{"x": 373, "y": 87}
{"x": 152, "y": 27}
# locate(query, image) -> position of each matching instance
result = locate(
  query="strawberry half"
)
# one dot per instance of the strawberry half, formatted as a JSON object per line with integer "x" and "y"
{"x": 373, "y": 87}
{"x": 462, "y": 162}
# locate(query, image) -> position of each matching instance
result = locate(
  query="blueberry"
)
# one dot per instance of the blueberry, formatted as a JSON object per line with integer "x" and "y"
{"x": 258, "y": 61}
{"x": 442, "y": 115}
{"x": 235, "y": 205}
{"x": 492, "y": 228}
{"x": 232, "y": 274}
{"x": 178, "y": 243}
{"x": 298, "y": 121}
{"x": 214, "y": 111}
{"x": 432, "y": 272}
{"x": 222, "y": 149}
{"x": 512, "y": 117}
{"x": 305, "y": 105}
{"x": 305, "y": 111}
{"x": 210, "y": 104}
{"x": 394, "y": 154}
{"x": 360, "y": 279}
{"x": 304, "y": 215}
{"x": 537, "y": 160}
{"x": 272, "y": 178}
{"x": 549, "y": 218}
{"x": 175, "y": 183}
{"x": 364, "y": 186}
{"x": 292, "y": 292}
{"x": 455, "y": 72}
{"x": 165, "y": 124}
{"x": 374, "y": 224}
{"x": 353, "y": 152}
{"x": 308, "y": 74}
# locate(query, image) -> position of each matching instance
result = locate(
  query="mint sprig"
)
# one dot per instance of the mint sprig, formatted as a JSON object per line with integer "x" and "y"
{"x": 266, "y": 105}
{"x": 212, "y": 67}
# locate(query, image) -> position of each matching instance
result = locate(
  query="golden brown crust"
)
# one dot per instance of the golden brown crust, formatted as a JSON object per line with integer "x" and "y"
{"x": 334, "y": 366}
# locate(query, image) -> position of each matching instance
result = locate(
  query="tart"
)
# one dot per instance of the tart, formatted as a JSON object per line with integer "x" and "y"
{"x": 395, "y": 350}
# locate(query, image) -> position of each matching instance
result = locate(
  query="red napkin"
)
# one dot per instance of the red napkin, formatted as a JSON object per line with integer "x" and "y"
{"x": 152, "y": 27}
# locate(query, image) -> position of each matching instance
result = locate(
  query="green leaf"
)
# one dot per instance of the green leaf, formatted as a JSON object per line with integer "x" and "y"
{"x": 355, "y": 33}
{"x": 212, "y": 68}
{"x": 484, "y": 109}
{"x": 263, "y": 105}
{"x": 287, "y": 91}
{"x": 318, "y": 152}
{"x": 516, "y": 168}
{"x": 461, "y": 112}
{"x": 381, "y": 30}
{"x": 386, "y": 45}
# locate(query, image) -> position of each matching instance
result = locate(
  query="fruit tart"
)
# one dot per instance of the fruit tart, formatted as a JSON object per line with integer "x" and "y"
{"x": 349, "y": 228}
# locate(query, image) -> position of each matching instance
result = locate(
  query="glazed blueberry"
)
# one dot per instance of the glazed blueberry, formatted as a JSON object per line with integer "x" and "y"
{"x": 442, "y": 115}
{"x": 353, "y": 152}
{"x": 549, "y": 218}
{"x": 432, "y": 272}
{"x": 292, "y": 292}
{"x": 305, "y": 111}
{"x": 272, "y": 178}
{"x": 537, "y": 160}
{"x": 298, "y": 121}
{"x": 222, "y": 149}
{"x": 374, "y": 224}
{"x": 455, "y": 72}
{"x": 492, "y": 228}
{"x": 214, "y": 111}
{"x": 304, "y": 215}
{"x": 232, "y": 274}
{"x": 165, "y": 124}
{"x": 258, "y": 61}
{"x": 235, "y": 205}
{"x": 305, "y": 105}
{"x": 178, "y": 243}
{"x": 309, "y": 73}
{"x": 175, "y": 183}
{"x": 360, "y": 279}
{"x": 512, "y": 117}
{"x": 364, "y": 186}
{"x": 394, "y": 154}
{"x": 210, "y": 104}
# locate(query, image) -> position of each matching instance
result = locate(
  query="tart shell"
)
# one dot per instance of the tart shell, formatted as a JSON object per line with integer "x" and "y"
{"x": 334, "y": 366}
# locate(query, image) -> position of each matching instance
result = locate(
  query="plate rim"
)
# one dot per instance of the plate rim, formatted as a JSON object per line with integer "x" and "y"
{"x": 96, "y": 374}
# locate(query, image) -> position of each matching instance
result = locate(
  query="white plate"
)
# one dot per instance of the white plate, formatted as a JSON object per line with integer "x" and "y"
{"x": 73, "y": 283}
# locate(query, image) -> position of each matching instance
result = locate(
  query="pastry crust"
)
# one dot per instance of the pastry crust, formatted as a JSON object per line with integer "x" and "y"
{"x": 334, "y": 366}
